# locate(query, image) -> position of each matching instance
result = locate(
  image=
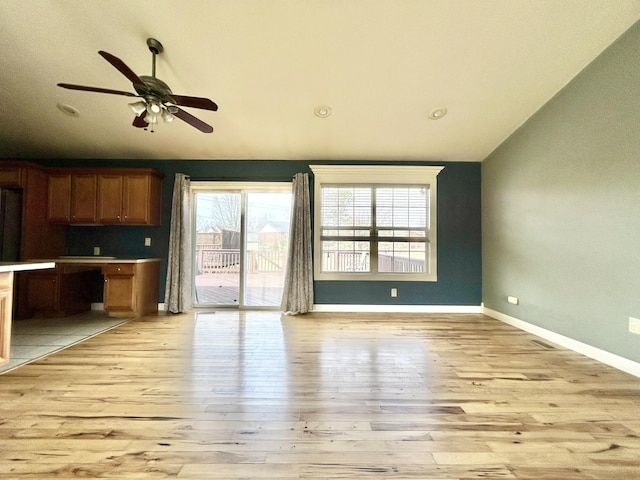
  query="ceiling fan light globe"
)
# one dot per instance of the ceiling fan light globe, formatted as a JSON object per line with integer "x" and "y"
{"x": 151, "y": 118}
{"x": 153, "y": 108}
{"x": 167, "y": 116}
{"x": 138, "y": 107}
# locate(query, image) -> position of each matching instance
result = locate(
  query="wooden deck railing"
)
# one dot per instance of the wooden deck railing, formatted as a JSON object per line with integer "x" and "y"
{"x": 334, "y": 261}
{"x": 210, "y": 260}
{"x": 228, "y": 261}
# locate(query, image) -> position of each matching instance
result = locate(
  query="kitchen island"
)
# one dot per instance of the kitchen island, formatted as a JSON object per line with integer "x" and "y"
{"x": 130, "y": 286}
{"x": 6, "y": 300}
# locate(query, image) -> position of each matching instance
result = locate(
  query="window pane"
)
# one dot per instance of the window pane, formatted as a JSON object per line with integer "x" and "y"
{"x": 345, "y": 256}
{"x": 346, "y": 206}
{"x": 402, "y": 207}
{"x": 401, "y": 257}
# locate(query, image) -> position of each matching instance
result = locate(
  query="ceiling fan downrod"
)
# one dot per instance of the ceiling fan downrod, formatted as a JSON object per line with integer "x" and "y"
{"x": 155, "y": 47}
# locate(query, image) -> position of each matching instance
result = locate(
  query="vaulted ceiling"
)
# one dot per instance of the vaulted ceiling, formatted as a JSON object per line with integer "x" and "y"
{"x": 380, "y": 66}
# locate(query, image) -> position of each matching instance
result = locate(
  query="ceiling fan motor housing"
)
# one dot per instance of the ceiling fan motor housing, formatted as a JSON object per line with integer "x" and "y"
{"x": 154, "y": 87}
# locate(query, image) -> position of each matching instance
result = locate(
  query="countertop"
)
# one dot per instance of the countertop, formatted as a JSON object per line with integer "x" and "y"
{"x": 23, "y": 266}
{"x": 94, "y": 259}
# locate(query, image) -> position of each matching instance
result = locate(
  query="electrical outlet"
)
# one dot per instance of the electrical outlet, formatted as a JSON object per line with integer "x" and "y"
{"x": 96, "y": 250}
{"x": 147, "y": 241}
{"x": 634, "y": 325}
{"x": 394, "y": 292}
{"x": 513, "y": 300}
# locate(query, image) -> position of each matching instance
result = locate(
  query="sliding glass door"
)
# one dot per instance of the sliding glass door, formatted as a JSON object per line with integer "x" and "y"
{"x": 241, "y": 233}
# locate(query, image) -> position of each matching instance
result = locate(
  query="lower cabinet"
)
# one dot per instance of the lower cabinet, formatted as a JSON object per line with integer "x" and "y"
{"x": 119, "y": 288}
{"x": 130, "y": 289}
{"x": 59, "y": 292}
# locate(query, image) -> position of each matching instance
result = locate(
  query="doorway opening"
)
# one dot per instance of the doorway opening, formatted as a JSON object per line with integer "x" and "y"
{"x": 241, "y": 238}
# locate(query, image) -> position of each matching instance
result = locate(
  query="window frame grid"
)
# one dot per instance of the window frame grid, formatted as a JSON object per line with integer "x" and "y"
{"x": 376, "y": 177}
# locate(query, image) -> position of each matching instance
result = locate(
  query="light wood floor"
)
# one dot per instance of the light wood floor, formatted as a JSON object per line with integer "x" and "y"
{"x": 253, "y": 395}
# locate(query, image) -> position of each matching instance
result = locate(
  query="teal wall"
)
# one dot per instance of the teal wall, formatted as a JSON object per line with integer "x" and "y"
{"x": 561, "y": 208}
{"x": 459, "y": 235}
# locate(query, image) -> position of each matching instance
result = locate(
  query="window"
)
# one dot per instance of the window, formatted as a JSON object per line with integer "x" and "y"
{"x": 375, "y": 222}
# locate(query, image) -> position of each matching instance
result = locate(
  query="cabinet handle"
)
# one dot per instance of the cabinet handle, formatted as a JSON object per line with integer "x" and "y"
{"x": 118, "y": 268}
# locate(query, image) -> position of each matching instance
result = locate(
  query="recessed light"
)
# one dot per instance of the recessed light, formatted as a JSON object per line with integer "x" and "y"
{"x": 437, "y": 113}
{"x": 322, "y": 112}
{"x": 69, "y": 110}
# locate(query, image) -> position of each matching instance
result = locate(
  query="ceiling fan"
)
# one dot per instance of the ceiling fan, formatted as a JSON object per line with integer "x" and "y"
{"x": 157, "y": 98}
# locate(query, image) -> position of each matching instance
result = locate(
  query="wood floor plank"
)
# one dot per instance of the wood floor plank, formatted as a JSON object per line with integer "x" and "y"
{"x": 248, "y": 395}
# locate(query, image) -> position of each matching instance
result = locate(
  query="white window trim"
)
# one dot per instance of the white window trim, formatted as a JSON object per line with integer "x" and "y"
{"x": 376, "y": 174}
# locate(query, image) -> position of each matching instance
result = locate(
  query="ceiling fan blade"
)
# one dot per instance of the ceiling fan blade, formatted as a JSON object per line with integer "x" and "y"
{"x": 96, "y": 89}
{"x": 193, "y": 121}
{"x": 195, "y": 102}
{"x": 122, "y": 68}
{"x": 139, "y": 122}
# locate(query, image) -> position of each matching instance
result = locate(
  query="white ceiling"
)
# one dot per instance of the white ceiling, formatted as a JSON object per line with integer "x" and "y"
{"x": 380, "y": 65}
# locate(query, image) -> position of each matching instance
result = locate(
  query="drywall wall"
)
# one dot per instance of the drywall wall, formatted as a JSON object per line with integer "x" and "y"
{"x": 561, "y": 209}
{"x": 459, "y": 235}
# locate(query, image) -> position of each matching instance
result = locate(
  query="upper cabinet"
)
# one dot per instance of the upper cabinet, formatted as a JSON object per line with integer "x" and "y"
{"x": 39, "y": 238}
{"x": 107, "y": 196}
{"x": 132, "y": 198}
{"x": 12, "y": 175}
{"x": 72, "y": 197}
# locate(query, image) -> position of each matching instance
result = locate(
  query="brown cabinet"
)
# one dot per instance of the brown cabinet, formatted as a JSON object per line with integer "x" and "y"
{"x": 107, "y": 196}
{"x": 119, "y": 288}
{"x": 130, "y": 198}
{"x": 39, "y": 238}
{"x": 140, "y": 195}
{"x": 72, "y": 197}
{"x": 11, "y": 176}
{"x": 59, "y": 292}
{"x": 130, "y": 288}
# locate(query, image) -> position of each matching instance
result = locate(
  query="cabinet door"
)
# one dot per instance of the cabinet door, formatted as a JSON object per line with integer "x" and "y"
{"x": 119, "y": 288}
{"x": 142, "y": 200}
{"x": 109, "y": 198}
{"x": 59, "y": 201}
{"x": 83, "y": 198}
{"x": 11, "y": 177}
{"x": 136, "y": 199}
{"x": 43, "y": 292}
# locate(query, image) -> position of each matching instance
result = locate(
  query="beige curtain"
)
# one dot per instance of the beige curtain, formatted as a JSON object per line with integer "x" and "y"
{"x": 298, "y": 284}
{"x": 177, "y": 297}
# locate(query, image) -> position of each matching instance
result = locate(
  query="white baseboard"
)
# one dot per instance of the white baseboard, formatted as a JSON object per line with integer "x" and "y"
{"x": 608, "y": 358}
{"x": 397, "y": 308}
